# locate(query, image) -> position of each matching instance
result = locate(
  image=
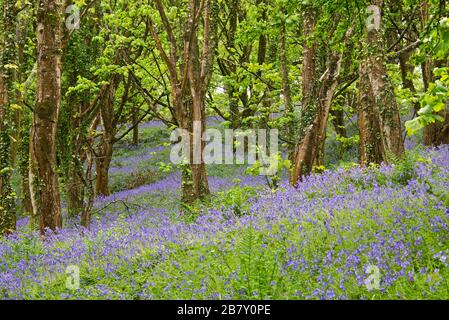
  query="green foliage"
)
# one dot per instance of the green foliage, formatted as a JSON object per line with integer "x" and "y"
{"x": 272, "y": 168}
{"x": 348, "y": 142}
{"x": 434, "y": 100}
{"x": 237, "y": 198}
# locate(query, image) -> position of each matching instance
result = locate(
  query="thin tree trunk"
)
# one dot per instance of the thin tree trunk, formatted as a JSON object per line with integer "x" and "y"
{"x": 88, "y": 184}
{"x": 135, "y": 141}
{"x": 233, "y": 100}
{"x": 286, "y": 91}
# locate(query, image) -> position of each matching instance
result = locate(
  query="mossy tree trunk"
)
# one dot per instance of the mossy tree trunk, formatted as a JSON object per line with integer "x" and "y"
{"x": 44, "y": 177}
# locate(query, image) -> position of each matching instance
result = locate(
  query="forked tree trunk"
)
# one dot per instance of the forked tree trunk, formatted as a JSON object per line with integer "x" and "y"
{"x": 200, "y": 71}
{"x": 314, "y": 138}
{"x": 189, "y": 80}
{"x": 195, "y": 184}
{"x": 44, "y": 178}
{"x": 311, "y": 146}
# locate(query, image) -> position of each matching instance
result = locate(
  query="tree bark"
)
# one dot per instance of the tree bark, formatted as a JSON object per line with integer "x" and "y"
{"x": 308, "y": 66}
{"x": 75, "y": 190}
{"x": 313, "y": 141}
{"x": 22, "y": 123}
{"x": 7, "y": 212}
{"x": 286, "y": 90}
{"x": 7, "y": 94}
{"x": 135, "y": 119}
{"x": 371, "y": 145}
{"x": 44, "y": 178}
{"x": 382, "y": 88}
{"x": 109, "y": 122}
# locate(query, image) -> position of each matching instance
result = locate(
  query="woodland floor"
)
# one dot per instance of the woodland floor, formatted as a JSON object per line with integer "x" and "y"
{"x": 349, "y": 233}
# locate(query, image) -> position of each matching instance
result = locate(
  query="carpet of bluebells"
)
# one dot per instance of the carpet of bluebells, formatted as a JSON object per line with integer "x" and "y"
{"x": 320, "y": 241}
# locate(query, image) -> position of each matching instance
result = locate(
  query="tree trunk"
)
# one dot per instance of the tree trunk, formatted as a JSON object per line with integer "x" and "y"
{"x": 407, "y": 70}
{"x": 301, "y": 157}
{"x": 44, "y": 178}
{"x": 382, "y": 88}
{"x": 10, "y": 56}
{"x": 7, "y": 212}
{"x": 286, "y": 91}
{"x": 313, "y": 141}
{"x": 104, "y": 154}
{"x": 7, "y": 95}
{"x": 338, "y": 121}
{"x": 198, "y": 168}
{"x": 195, "y": 184}
{"x": 308, "y": 69}
{"x": 436, "y": 133}
{"x": 103, "y": 161}
{"x": 200, "y": 71}
{"x": 190, "y": 79}
{"x": 75, "y": 190}
{"x": 23, "y": 127}
{"x": 135, "y": 141}
{"x": 88, "y": 185}
{"x": 371, "y": 145}
{"x": 233, "y": 99}
{"x": 311, "y": 145}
